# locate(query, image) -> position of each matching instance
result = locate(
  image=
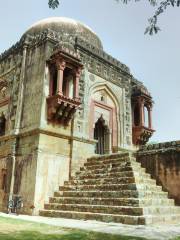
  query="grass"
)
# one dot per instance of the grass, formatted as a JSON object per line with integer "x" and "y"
{"x": 12, "y": 229}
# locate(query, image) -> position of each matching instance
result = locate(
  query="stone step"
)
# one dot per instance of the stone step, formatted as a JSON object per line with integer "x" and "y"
{"x": 111, "y": 187}
{"x": 124, "y": 219}
{"x": 162, "y": 219}
{"x": 100, "y": 158}
{"x": 113, "y": 201}
{"x": 104, "y": 160}
{"x": 153, "y": 201}
{"x": 112, "y": 194}
{"x": 105, "y": 174}
{"x": 120, "y": 210}
{"x": 96, "y": 201}
{"x": 113, "y": 164}
{"x": 154, "y": 210}
{"x": 120, "y": 180}
{"x": 109, "y": 168}
{"x": 133, "y": 220}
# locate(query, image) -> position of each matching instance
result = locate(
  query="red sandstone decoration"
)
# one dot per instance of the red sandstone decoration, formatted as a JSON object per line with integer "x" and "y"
{"x": 141, "y": 100}
{"x": 111, "y": 132}
{"x": 65, "y": 70}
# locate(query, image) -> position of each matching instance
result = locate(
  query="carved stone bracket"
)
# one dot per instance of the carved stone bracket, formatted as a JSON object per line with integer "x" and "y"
{"x": 61, "y": 108}
{"x": 141, "y": 135}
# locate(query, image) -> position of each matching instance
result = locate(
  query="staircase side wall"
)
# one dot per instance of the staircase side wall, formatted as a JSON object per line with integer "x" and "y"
{"x": 5, "y": 167}
{"x": 162, "y": 161}
{"x": 58, "y": 158}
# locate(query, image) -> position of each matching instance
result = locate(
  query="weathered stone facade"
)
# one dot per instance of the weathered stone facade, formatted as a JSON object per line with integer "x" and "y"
{"x": 63, "y": 99}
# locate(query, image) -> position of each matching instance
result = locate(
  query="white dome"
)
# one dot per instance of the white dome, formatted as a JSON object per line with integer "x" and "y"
{"x": 66, "y": 26}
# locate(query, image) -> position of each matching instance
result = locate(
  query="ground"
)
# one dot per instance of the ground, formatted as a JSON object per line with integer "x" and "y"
{"x": 34, "y": 228}
{"x": 17, "y": 229}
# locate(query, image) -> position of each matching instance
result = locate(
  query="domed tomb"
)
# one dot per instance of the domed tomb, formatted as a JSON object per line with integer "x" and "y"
{"x": 67, "y": 28}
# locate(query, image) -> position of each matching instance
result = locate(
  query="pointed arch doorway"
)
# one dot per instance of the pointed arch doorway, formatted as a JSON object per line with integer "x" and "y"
{"x": 102, "y": 135}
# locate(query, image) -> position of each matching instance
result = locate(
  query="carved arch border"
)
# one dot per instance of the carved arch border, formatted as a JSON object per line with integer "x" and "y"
{"x": 115, "y": 112}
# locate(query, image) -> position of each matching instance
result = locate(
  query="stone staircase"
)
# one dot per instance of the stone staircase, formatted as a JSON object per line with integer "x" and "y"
{"x": 113, "y": 188}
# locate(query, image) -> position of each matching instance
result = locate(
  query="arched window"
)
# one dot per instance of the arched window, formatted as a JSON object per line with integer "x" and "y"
{"x": 102, "y": 98}
{"x": 2, "y": 124}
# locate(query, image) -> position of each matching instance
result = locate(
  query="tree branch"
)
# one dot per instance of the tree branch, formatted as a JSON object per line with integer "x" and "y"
{"x": 162, "y": 6}
{"x": 152, "y": 27}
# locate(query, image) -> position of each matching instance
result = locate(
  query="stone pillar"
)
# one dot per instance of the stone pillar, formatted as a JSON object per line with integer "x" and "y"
{"x": 133, "y": 108}
{"x": 60, "y": 67}
{"x": 141, "y": 103}
{"x": 76, "y": 83}
{"x": 51, "y": 83}
{"x": 150, "y": 117}
{"x": 110, "y": 141}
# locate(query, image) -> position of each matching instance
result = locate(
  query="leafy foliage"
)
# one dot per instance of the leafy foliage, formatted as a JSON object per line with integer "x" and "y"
{"x": 152, "y": 26}
{"x": 53, "y": 4}
{"x": 161, "y": 7}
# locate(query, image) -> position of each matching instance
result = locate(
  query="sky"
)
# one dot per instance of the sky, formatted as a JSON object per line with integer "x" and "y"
{"x": 152, "y": 60}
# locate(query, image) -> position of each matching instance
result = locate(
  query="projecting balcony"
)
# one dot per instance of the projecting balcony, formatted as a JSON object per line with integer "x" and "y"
{"x": 65, "y": 69}
{"x": 141, "y": 134}
{"x": 61, "y": 108}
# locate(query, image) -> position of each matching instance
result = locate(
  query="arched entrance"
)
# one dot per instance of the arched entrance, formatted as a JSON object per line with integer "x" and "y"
{"x": 102, "y": 135}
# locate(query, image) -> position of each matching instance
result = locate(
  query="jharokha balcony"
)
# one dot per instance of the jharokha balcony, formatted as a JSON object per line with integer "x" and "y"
{"x": 65, "y": 70}
{"x": 142, "y": 116}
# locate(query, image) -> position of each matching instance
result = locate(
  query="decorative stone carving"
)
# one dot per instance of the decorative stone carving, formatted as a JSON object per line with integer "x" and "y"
{"x": 4, "y": 92}
{"x": 61, "y": 108}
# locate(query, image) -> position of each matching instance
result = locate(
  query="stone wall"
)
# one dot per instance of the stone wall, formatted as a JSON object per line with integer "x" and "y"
{"x": 33, "y": 87}
{"x": 6, "y": 144}
{"x": 58, "y": 158}
{"x": 82, "y": 149}
{"x": 25, "y": 170}
{"x": 162, "y": 161}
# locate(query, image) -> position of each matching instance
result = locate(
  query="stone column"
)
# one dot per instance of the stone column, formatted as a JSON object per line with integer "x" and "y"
{"x": 133, "y": 108}
{"x": 150, "y": 117}
{"x": 61, "y": 65}
{"x": 76, "y": 83}
{"x": 141, "y": 103}
{"x": 51, "y": 73}
{"x": 110, "y": 141}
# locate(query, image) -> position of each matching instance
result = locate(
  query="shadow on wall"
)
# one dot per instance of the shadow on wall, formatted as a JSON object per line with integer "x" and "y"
{"x": 162, "y": 161}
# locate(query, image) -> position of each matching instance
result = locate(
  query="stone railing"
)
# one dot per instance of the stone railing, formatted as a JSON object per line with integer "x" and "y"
{"x": 160, "y": 147}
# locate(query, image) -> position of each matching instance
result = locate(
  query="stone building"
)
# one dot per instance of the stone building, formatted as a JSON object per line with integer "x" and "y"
{"x": 63, "y": 99}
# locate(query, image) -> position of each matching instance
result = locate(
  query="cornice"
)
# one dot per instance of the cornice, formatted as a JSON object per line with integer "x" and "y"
{"x": 45, "y": 132}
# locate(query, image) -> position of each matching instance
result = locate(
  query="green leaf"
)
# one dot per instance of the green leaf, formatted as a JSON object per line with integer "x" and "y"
{"x": 53, "y": 4}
